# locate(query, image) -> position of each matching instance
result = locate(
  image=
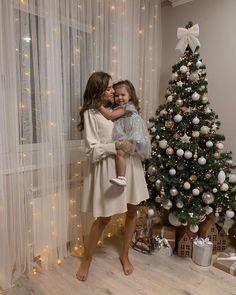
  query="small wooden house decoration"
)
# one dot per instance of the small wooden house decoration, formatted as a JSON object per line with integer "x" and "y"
{"x": 209, "y": 230}
{"x": 185, "y": 243}
{"x": 222, "y": 240}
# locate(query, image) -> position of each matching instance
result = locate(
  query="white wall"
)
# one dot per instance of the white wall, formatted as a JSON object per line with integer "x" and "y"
{"x": 217, "y": 22}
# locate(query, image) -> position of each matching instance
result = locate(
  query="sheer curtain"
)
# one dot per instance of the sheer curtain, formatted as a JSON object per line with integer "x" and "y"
{"x": 48, "y": 49}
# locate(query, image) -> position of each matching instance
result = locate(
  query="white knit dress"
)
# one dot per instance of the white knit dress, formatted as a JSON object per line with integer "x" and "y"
{"x": 100, "y": 196}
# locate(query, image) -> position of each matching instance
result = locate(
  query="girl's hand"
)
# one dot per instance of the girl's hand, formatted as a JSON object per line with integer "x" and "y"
{"x": 125, "y": 146}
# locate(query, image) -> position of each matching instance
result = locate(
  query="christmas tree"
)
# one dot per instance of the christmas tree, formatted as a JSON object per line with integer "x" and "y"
{"x": 189, "y": 174}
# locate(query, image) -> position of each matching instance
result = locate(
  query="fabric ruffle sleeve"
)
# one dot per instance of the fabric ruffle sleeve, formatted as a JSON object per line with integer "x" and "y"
{"x": 94, "y": 148}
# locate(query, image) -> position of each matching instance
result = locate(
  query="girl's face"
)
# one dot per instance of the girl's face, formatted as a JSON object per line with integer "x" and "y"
{"x": 121, "y": 95}
{"x": 108, "y": 95}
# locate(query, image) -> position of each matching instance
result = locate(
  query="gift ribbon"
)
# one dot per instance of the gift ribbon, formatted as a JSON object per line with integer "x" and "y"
{"x": 188, "y": 37}
{"x": 202, "y": 242}
{"x": 229, "y": 257}
{"x": 163, "y": 242}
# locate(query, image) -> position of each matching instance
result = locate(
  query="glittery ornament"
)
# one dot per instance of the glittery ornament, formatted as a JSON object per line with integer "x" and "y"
{"x": 158, "y": 184}
{"x": 179, "y": 102}
{"x": 152, "y": 170}
{"x": 216, "y": 155}
{"x": 169, "y": 151}
{"x": 158, "y": 199}
{"x": 169, "y": 124}
{"x": 208, "y": 198}
{"x": 193, "y": 177}
{"x": 173, "y": 192}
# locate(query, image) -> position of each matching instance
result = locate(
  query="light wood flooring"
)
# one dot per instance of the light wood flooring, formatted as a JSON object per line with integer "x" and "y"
{"x": 154, "y": 274}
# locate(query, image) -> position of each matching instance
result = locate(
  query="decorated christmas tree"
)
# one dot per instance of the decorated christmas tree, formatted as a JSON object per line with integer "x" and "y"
{"x": 190, "y": 175}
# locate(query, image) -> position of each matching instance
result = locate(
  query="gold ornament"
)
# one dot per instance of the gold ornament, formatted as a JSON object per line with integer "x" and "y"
{"x": 179, "y": 102}
{"x": 180, "y": 167}
{"x": 193, "y": 177}
{"x": 204, "y": 99}
{"x": 169, "y": 124}
{"x": 200, "y": 188}
{"x": 208, "y": 198}
{"x": 151, "y": 178}
{"x": 169, "y": 151}
{"x": 154, "y": 145}
{"x": 195, "y": 134}
{"x": 158, "y": 199}
{"x": 173, "y": 192}
{"x": 158, "y": 184}
{"x": 163, "y": 112}
{"x": 217, "y": 155}
{"x": 151, "y": 170}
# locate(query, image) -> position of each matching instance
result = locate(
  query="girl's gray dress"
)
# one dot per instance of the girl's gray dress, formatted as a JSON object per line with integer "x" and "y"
{"x": 131, "y": 127}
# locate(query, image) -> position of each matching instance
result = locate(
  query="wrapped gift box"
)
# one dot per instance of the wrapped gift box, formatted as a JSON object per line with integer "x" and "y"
{"x": 226, "y": 262}
{"x": 163, "y": 247}
{"x": 167, "y": 232}
{"x": 202, "y": 251}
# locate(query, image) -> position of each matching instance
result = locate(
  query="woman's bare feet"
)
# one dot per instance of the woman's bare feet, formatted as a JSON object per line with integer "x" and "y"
{"x": 127, "y": 266}
{"x": 82, "y": 273}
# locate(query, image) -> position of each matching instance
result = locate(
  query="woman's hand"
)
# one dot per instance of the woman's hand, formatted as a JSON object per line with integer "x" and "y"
{"x": 125, "y": 146}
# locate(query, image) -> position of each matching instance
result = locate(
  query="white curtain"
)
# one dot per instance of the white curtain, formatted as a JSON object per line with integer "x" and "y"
{"x": 48, "y": 49}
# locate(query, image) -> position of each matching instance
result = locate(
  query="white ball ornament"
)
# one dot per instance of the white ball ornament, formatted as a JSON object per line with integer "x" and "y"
{"x": 230, "y": 213}
{"x": 169, "y": 98}
{"x": 173, "y": 220}
{"x": 221, "y": 176}
{"x": 187, "y": 185}
{"x": 224, "y": 187}
{"x": 195, "y": 134}
{"x": 194, "y": 77}
{"x": 205, "y": 129}
{"x": 163, "y": 144}
{"x": 215, "y": 190}
{"x": 179, "y": 204}
{"x": 208, "y": 210}
{"x": 183, "y": 69}
{"x": 220, "y": 145}
{"x": 195, "y": 191}
{"x": 188, "y": 154}
{"x": 196, "y": 120}
{"x": 195, "y": 96}
{"x": 198, "y": 64}
{"x": 173, "y": 191}
{"x": 232, "y": 178}
{"x": 174, "y": 76}
{"x": 201, "y": 161}
{"x": 150, "y": 212}
{"x": 172, "y": 171}
{"x": 179, "y": 152}
{"x": 168, "y": 205}
{"x": 178, "y": 118}
{"x": 194, "y": 228}
{"x": 209, "y": 143}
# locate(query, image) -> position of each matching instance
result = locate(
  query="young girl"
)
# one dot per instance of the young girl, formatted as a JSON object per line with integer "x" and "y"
{"x": 128, "y": 126}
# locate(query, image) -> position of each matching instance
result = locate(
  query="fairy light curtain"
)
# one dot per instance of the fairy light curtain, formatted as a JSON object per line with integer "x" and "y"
{"x": 48, "y": 49}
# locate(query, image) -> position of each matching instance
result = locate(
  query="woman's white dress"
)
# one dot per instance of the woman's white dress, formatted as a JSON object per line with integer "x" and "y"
{"x": 100, "y": 196}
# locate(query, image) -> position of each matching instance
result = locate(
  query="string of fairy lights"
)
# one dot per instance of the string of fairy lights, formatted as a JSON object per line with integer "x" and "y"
{"x": 143, "y": 82}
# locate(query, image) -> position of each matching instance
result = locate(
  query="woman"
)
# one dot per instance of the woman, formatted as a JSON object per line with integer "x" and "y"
{"x": 99, "y": 195}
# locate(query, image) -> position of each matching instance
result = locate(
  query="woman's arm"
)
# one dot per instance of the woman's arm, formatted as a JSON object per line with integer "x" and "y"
{"x": 94, "y": 148}
{"x": 112, "y": 115}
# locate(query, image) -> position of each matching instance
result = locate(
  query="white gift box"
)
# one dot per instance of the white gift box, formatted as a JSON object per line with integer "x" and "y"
{"x": 163, "y": 247}
{"x": 202, "y": 251}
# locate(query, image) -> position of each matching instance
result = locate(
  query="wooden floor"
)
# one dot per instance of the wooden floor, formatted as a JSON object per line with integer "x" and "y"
{"x": 154, "y": 274}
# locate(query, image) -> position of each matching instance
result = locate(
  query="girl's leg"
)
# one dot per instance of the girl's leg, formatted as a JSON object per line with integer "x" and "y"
{"x": 94, "y": 235}
{"x": 130, "y": 223}
{"x": 120, "y": 163}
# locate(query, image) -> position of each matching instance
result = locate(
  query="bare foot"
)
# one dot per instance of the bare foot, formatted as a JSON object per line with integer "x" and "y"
{"x": 82, "y": 273}
{"x": 127, "y": 266}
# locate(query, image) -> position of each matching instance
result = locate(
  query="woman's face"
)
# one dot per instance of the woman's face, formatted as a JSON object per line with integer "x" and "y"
{"x": 108, "y": 95}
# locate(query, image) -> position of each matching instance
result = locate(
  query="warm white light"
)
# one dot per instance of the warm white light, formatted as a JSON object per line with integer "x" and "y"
{"x": 150, "y": 26}
{"x": 113, "y": 7}
{"x": 21, "y": 105}
{"x": 77, "y": 50}
{"x": 52, "y": 124}
{"x": 47, "y": 45}
{"x": 27, "y": 39}
{"x": 140, "y": 31}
